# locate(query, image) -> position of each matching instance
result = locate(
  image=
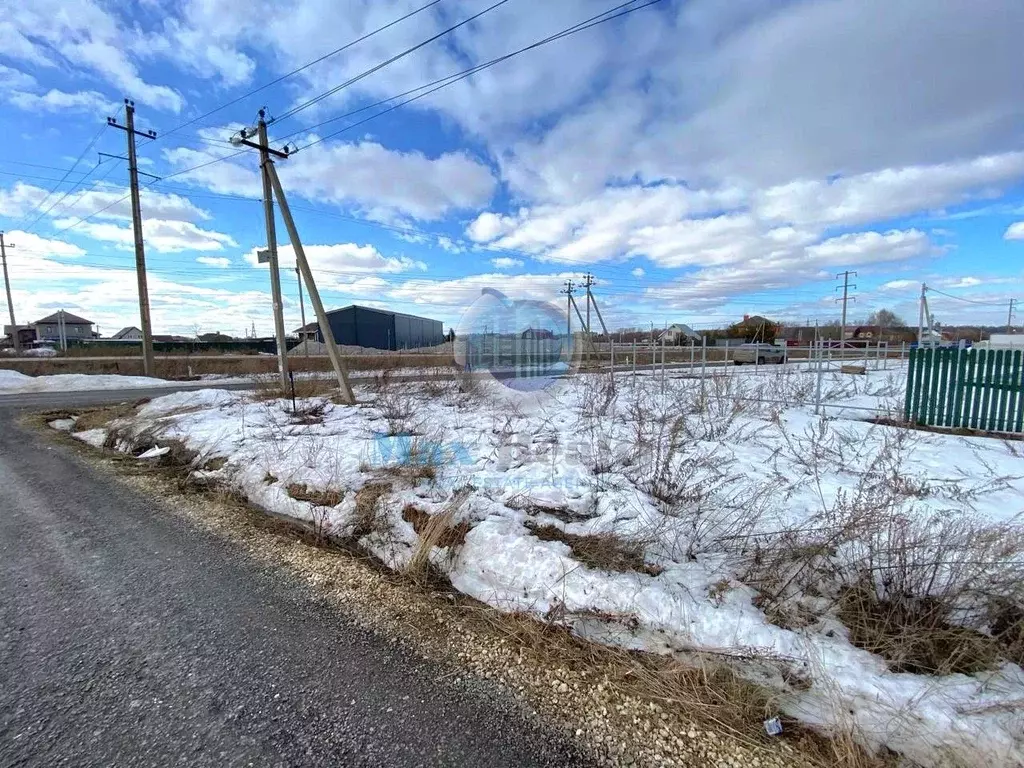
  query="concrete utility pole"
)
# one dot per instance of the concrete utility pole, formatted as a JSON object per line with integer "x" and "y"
{"x": 275, "y": 274}
{"x": 588, "y": 280}
{"x": 302, "y": 311}
{"x": 920, "y": 316}
{"x": 846, "y": 290}
{"x": 15, "y": 341}
{"x": 140, "y": 253}
{"x": 1009, "y": 315}
{"x": 569, "y": 288}
{"x": 311, "y": 289}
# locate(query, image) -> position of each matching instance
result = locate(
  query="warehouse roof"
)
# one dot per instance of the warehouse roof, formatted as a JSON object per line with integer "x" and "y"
{"x": 381, "y": 311}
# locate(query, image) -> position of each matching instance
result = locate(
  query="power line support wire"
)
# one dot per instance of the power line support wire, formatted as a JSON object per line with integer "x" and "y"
{"x": 311, "y": 289}
{"x": 140, "y": 252}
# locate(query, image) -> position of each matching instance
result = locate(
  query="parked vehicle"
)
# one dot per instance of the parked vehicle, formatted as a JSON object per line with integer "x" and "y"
{"x": 759, "y": 354}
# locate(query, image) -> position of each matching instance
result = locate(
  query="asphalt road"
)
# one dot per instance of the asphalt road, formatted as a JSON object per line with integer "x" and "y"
{"x": 130, "y": 638}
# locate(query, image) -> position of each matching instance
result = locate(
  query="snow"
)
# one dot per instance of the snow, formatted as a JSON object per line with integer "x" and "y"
{"x": 12, "y": 382}
{"x": 748, "y": 443}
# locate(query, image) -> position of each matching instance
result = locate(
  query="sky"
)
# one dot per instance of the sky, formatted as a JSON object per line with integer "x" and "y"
{"x": 703, "y": 160}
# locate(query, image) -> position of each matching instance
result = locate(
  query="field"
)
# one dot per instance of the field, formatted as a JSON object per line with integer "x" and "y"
{"x": 866, "y": 574}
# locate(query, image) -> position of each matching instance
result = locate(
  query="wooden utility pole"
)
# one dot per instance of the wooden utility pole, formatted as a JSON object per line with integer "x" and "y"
{"x": 311, "y": 289}
{"x": 140, "y": 253}
{"x": 15, "y": 341}
{"x": 588, "y": 280}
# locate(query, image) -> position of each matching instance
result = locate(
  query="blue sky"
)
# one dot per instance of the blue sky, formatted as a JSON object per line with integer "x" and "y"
{"x": 701, "y": 159}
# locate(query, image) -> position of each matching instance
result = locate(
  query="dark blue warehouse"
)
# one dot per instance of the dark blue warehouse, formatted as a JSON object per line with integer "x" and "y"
{"x": 377, "y": 328}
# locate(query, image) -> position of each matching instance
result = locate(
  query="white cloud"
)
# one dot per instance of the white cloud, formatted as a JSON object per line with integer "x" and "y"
{"x": 343, "y": 258}
{"x": 505, "y": 262}
{"x": 899, "y": 285}
{"x": 57, "y": 101}
{"x": 32, "y": 245}
{"x": 161, "y": 235}
{"x": 1015, "y": 231}
{"x": 85, "y": 35}
{"x": 381, "y": 183}
{"x": 107, "y": 202}
{"x": 215, "y": 261}
{"x": 14, "y": 79}
{"x": 638, "y": 272}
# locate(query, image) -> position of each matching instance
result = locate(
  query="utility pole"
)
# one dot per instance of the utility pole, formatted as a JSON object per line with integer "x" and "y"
{"x": 140, "y": 253}
{"x": 314, "y": 295}
{"x": 569, "y": 288}
{"x": 1009, "y": 315}
{"x": 588, "y": 280}
{"x": 920, "y": 316}
{"x": 846, "y": 290}
{"x": 275, "y": 274}
{"x": 15, "y": 341}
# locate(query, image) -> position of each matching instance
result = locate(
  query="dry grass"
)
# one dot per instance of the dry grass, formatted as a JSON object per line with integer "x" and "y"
{"x": 439, "y": 530}
{"x": 368, "y": 517}
{"x": 325, "y": 497}
{"x": 914, "y": 634}
{"x": 600, "y": 551}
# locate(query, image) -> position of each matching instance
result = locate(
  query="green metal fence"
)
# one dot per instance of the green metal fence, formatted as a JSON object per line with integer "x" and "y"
{"x": 969, "y": 388}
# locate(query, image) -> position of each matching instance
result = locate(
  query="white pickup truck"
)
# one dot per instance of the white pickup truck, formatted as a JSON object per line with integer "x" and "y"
{"x": 759, "y": 354}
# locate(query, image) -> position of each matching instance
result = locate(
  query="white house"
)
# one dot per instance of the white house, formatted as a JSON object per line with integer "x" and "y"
{"x": 131, "y": 333}
{"x": 677, "y": 333}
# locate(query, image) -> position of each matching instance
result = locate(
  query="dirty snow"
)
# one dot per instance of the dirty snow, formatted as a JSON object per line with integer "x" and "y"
{"x": 12, "y": 382}
{"x": 747, "y": 442}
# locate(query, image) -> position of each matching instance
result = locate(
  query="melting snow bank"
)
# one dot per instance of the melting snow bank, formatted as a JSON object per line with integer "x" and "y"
{"x": 12, "y": 382}
{"x": 633, "y": 516}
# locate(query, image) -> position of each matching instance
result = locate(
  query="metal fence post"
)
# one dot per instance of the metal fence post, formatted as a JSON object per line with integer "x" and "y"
{"x": 634, "y": 357}
{"x": 817, "y": 389}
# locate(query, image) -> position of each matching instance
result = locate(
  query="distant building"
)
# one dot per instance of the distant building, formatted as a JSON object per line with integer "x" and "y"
{"x": 538, "y": 333}
{"x": 308, "y": 332}
{"x": 75, "y": 327}
{"x": 26, "y": 334}
{"x": 677, "y": 333}
{"x": 359, "y": 326}
{"x": 128, "y": 334}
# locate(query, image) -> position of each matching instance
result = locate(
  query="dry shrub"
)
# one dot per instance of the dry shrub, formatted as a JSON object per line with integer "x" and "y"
{"x": 367, "y": 517}
{"x": 440, "y": 529}
{"x": 326, "y": 497}
{"x": 437, "y": 530}
{"x": 600, "y": 551}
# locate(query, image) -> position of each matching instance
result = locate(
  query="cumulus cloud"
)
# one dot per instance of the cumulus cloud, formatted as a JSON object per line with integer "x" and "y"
{"x": 55, "y": 100}
{"x": 1015, "y": 231}
{"x": 381, "y": 183}
{"x": 344, "y": 258}
{"x": 214, "y": 261}
{"x": 638, "y": 272}
{"x": 161, "y": 235}
{"x": 506, "y": 262}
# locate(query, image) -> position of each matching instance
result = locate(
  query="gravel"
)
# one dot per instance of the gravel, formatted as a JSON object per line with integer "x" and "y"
{"x": 129, "y": 636}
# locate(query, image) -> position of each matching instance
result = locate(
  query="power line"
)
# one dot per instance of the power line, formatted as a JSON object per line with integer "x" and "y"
{"x": 579, "y": 27}
{"x": 381, "y": 65}
{"x": 304, "y": 67}
{"x": 444, "y": 82}
{"x": 969, "y": 301}
{"x": 74, "y": 165}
